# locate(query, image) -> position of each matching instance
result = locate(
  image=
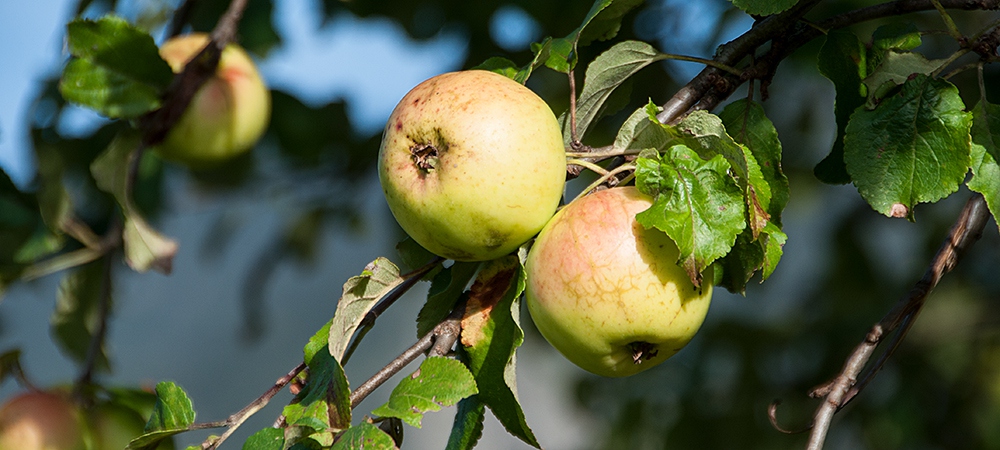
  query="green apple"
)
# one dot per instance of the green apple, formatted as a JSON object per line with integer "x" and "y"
{"x": 41, "y": 421}
{"x": 228, "y": 114}
{"x": 606, "y": 292}
{"x": 472, "y": 164}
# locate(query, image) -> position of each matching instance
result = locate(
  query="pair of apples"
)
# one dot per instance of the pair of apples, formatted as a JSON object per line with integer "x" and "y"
{"x": 473, "y": 166}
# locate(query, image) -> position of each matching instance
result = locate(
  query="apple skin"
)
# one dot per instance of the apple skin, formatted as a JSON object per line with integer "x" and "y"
{"x": 228, "y": 114}
{"x": 600, "y": 286}
{"x": 472, "y": 165}
{"x": 41, "y": 421}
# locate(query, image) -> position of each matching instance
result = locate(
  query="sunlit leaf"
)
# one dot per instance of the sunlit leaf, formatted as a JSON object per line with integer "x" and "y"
{"x": 914, "y": 147}
{"x": 491, "y": 332}
{"x": 364, "y": 436}
{"x": 172, "y": 414}
{"x": 439, "y": 382}
{"x": 266, "y": 439}
{"x": 606, "y": 73}
{"x": 324, "y": 402}
{"x": 602, "y": 22}
{"x": 695, "y": 202}
{"x": 986, "y": 155}
{"x": 360, "y": 295}
{"x": 468, "y": 425}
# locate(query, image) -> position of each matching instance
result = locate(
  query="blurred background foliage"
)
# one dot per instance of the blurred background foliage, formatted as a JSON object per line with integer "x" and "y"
{"x": 844, "y": 265}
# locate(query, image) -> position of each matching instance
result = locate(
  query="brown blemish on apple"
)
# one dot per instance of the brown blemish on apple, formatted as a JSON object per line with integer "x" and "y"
{"x": 642, "y": 351}
{"x": 425, "y": 156}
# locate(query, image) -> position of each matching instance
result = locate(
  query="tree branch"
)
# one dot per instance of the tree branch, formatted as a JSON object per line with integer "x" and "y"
{"x": 234, "y": 421}
{"x": 439, "y": 341}
{"x": 842, "y": 389}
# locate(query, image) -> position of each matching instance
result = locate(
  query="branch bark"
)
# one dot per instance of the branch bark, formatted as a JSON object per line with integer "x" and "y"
{"x": 846, "y": 385}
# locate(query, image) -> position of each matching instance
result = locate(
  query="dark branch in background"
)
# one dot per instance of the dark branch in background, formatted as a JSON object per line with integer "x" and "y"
{"x": 787, "y": 33}
{"x": 180, "y": 18}
{"x": 838, "y": 392}
{"x": 439, "y": 341}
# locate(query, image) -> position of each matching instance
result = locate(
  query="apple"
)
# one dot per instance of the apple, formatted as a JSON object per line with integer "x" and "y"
{"x": 113, "y": 426}
{"x": 41, "y": 421}
{"x": 228, "y": 114}
{"x": 608, "y": 293}
{"x": 472, "y": 164}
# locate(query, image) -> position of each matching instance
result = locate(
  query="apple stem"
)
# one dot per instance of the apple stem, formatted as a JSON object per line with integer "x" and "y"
{"x": 642, "y": 351}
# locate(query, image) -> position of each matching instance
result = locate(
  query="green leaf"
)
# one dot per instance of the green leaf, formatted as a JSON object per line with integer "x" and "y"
{"x": 439, "y": 382}
{"x": 842, "y": 60}
{"x": 413, "y": 255}
{"x": 894, "y": 70}
{"x": 116, "y": 69}
{"x": 446, "y": 288}
{"x": 10, "y": 365}
{"x": 914, "y": 147}
{"x": 608, "y": 71}
{"x": 364, "y": 436}
{"x": 986, "y": 155}
{"x": 901, "y": 36}
{"x": 746, "y": 122}
{"x": 602, "y": 22}
{"x": 500, "y": 65}
{"x": 172, "y": 414}
{"x": 324, "y": 402}
{"x": 77, "y": 315}
{"x": 468, "y": 426}
{"x": 360, "y": 295}
{"x": 748, "y": 256}
{"x": 491, "y": 333}
{"x": 109, "y": 93}
{"x": 113, "y": 43}
{"x": 266, "y": 439}
{"x": 145, "y": 248}
{"x": 764, "y": 7}
{"x": 695, "y": 202}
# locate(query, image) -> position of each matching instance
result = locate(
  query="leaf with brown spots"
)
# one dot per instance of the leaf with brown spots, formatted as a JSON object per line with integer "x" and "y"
{"x": 491, "y": 332}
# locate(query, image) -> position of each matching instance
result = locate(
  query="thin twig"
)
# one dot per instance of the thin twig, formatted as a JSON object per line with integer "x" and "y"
{"x": 439, "y": 341}
{"x": 234, "y": 421}
{"x": 574, "y": 142}
{"x": 845, "y": 386}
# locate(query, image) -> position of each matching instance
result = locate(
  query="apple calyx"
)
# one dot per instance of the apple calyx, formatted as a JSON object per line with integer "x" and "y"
{"x": 642, "y": 351}
{"x": 425, "y": 156}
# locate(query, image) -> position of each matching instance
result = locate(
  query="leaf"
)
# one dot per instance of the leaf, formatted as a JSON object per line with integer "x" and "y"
{"x": 894, "y": 70}
{"x": 608, "y": 71}
{"x": 266, "y": 439}
{"x": 468, "y": 426}
{"x": 901, "y": 36}
{"x": 914, "y": 147}
{"x": 843, "y": 60}
{"x": 439, "y": 382}
{"x": 360, "y": 295}
{"x": 642, "y": 131}
{"x": 116, "y": 69}
{"x": 324, "y": 403}
{"x": 145, "y": 248}
{"x": 113, "y": 43}
{"x": 413, "y": 255}
{"x": 705, "y": 133}
{"x": 446, "y": 288}
{"x": 10, "y": 365}
{"x": 694, "y": 201}
{"x": 748, "y": 256}
{"x": 764, "y": 7}
{"x": 491, "y": 333}
{"x": 986, "y": 155}
{"x": 172, "y": 414}
{"x": 364, "y": 436}
{"x": 746, "y": 122}
{"x": 500, "y": 65}
{"x": 78, "y": 315}
{"x": 602, "y": 22}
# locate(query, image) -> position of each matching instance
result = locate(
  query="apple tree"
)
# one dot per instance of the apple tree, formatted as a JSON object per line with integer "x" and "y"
{"x": 858, "y": 141}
